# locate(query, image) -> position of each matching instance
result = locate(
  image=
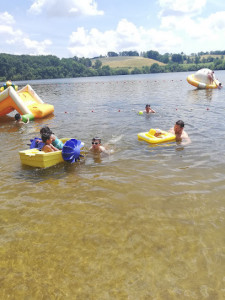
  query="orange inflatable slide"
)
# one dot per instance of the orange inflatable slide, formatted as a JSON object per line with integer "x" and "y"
{"x": 25, "y": 101}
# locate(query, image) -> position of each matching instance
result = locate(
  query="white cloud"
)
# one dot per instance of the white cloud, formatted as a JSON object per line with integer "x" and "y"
{"x": 11, "y": 35}
{"x": 36, "y": 47}
{"x": 199, "y": 28}
{"x": 6, "y": 18}
{"x": 199, "y": 34}
{"x": 126, "y": 37}
{"x": 65, "y": 8}
{"x": 6, "y": 30}
{"x": 179, "y": 8}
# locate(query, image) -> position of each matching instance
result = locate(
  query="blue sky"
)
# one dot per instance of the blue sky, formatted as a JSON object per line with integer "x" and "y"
{"x": 88, "y": 28}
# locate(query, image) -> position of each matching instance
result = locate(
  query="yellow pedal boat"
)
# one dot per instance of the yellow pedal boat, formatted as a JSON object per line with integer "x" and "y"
{"x": 40, "y": 159}
{"x": 155, "y": 136}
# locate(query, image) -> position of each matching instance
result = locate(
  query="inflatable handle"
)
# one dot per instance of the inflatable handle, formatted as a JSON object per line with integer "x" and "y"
{"x": 27, "y": 117}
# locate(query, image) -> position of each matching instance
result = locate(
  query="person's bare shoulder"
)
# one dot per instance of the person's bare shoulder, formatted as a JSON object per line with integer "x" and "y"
{"x": 185, "y": 138}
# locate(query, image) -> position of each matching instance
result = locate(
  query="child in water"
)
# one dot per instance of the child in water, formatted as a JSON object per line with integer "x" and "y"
{"x": 19, "y": 120}
{"x": 47, "y": 140}
{"x": 97, "y": 146}
{"x": 55, "y": 141}
{"x": 148, "y": 109}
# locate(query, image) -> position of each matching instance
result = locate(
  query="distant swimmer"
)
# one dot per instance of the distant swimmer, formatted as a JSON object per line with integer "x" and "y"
{"x": 148, "y": 109}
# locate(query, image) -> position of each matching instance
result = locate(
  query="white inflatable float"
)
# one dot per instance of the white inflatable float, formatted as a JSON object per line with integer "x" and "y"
{"x": 203, "y": 79}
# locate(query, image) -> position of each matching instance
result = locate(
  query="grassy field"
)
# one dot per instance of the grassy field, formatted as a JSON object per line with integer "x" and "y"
{"x": 214, "y": 56}
{"x": 129, "y": 62}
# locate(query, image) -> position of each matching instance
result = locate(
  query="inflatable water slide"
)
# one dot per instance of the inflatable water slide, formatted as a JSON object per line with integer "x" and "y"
{"x": 25, "y": 101}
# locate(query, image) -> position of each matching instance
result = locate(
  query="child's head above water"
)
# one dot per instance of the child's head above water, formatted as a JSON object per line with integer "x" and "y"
{"x": 96, "y": 141}
{"x": 18, "y": 117}
{"x": 45, "y": 129}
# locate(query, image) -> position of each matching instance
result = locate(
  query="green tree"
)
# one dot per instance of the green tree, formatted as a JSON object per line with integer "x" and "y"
{"x": 112, "y": 54}
{"x": 155, "y": 68}
{"x": 97, "y": 64}
{"x": 177, "y": 58}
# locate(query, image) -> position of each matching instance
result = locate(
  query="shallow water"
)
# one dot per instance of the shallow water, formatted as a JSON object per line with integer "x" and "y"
{"x": 146, "y": 222}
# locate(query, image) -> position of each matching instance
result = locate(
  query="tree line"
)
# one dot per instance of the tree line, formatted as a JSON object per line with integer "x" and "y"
{"x": 27, "y": 67}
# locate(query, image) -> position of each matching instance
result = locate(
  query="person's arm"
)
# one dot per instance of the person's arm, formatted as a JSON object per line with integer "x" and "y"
{"x": 53, "y": 148}
{"x": 152, "y": 111}
{"x": 46, "y": 149}
{"x": 185, "y": 139}
{"x": 107, "y": 151}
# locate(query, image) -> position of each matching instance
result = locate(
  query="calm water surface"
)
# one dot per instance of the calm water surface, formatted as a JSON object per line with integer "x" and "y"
{"x": 146, "y": 222}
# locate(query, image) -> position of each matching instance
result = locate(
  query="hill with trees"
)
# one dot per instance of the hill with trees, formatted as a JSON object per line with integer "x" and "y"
{"x": 27, "y": 67}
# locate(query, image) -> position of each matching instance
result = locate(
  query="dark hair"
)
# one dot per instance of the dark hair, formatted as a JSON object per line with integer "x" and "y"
{"x": 45, "y": 136}
{"x": 17, "y": 117}
{"x": 147, "y": 105}
{"x": 97, "y": 139}
{"x": 180, "y": 123}
{"x": 45, "y": 129}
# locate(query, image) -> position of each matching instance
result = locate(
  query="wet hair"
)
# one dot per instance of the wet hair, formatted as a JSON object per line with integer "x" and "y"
{"x": 46, "y": 136}
{"x": 180, "y": 123}
{"x": 147, "y": 105}
{"x": 96, "y": 139}
{"x": 45, "y": 129}
{"x": 17, "y": 117}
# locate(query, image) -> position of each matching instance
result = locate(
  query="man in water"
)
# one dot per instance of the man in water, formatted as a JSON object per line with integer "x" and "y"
{"x": 179, "y": 132}
{"x": 148, "y": 109}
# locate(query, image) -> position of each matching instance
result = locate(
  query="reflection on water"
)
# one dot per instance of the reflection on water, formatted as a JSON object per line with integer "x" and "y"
{"x": 146, "y": 222}
{"x": 195, "y": 96}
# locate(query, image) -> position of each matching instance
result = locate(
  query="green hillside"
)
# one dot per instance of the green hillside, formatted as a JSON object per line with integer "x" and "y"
{"x": 129, "y": 62}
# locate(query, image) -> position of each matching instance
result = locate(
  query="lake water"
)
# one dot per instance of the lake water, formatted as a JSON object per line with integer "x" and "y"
{"x": 146, "y": 222}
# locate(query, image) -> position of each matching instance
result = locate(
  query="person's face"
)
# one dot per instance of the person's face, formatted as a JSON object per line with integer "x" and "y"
{"x": 147, "y": 108}
{"x": 49, "y": 141}
{"x": 95, "y": 144}
{"x": 178, "y": 129}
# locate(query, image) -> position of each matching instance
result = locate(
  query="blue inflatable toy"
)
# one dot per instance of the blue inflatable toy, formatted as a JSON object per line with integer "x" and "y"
{"x": 37, "y": 143}
{"x": 71, "y": 150}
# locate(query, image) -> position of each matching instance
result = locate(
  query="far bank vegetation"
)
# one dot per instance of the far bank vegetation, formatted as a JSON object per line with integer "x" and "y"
{"x": 27, "y": 67}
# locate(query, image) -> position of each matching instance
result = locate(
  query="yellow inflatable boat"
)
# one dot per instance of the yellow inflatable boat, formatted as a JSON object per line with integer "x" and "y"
{"x": 201, "y": 79}
{"x": 40, "y": 159}
{"x": 155, "y": 136}
{"x": 35, "y": 158}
